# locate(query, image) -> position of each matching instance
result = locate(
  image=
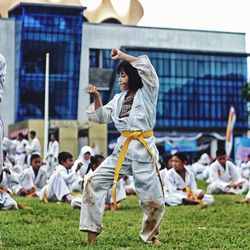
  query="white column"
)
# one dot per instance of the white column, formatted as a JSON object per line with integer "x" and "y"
{"x": 46, "y": 108}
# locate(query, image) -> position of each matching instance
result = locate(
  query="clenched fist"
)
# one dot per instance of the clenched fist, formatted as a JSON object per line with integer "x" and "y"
{"x": 92, "y": 91}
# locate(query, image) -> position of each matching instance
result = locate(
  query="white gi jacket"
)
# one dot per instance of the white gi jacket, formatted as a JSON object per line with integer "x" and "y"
{"x": 175, "y": 186}
{"x": 175, "y": 183}
{"x": 142, "y": 115}
{"x": 220, "y": 178}
{"x": 29, "y": 180}
{"x": 34, "y": 147}
{"x": 223, "y": 175}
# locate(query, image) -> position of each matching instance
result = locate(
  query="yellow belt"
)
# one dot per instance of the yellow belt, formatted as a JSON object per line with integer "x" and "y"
{"x": 44, "y": 196}
{"x": 193, "y": 195}
{"x": 130, "y": 135}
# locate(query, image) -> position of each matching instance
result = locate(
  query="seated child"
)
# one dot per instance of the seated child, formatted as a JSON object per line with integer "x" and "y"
{"x": 59, "y": 184}
{"x": 223, "y": 176}
{"x": 33, "y": 177}
{"x": 181, "y": 185}
{"x": 6, "y": 202}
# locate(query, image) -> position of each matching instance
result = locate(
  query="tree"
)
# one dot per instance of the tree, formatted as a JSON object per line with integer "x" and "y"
{"x": 245, "y": 91}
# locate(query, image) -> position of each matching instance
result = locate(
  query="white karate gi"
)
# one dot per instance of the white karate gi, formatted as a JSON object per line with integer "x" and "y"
{"x": 201, "y": 167}
{"x": 138, "y": 162}
{"x": 220, "y": 178}
{"x": 59, "y": 184}
{"x": 28, "y": 180}
{"x": 3, "y": 67}
{"x": 20, "y": 152}
{"x": 77, "y": 186}
{"x": 33, "y": 147}
{"x": 163, "y": 174}
{"x": 245, "y": 170}
{"x": 52, "y": 155}
{"x": 175, "y": 186}
{"x": 120, "y": 192}
{"x": 6, "y": 202}
{"x": 10, "y": 181}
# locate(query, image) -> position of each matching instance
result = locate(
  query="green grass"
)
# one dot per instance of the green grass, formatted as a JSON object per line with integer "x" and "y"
{"x": 224, "y": 225}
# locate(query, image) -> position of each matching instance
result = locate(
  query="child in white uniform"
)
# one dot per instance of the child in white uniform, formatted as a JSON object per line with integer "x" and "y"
{"x": 223, "y": 176}
{"x": 181, "y": 185}
{"x": 134, "y": 113}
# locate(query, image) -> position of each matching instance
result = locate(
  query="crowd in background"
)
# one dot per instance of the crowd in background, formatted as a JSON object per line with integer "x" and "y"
{"x": 60, "y": 178}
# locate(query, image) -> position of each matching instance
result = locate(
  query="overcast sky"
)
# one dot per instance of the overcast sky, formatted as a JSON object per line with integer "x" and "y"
{"x": 219, "y": 15}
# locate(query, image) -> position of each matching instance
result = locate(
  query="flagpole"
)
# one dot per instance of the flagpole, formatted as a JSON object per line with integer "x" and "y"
{"x": 46, "y": 108}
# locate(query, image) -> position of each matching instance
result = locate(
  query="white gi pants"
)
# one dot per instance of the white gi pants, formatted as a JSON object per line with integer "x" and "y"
{"x": 147, "y": 187}
{"x": 176, "y": 199}
{"x": 217, "y": 187}
{"x": 6, "y": 202}
{"x": 55, "y": 190}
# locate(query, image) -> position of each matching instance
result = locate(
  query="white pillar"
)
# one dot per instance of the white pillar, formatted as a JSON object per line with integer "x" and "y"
{"x": 46, "y": 108}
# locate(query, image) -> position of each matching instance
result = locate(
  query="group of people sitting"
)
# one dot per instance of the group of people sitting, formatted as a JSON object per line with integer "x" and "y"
{"x": 66, "y": 183}
{"x": 222, "y": 176}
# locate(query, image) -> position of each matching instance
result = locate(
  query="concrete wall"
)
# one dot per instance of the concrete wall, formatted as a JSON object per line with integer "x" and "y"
{"x": 107, "y": 36}
{"x": 7, "y": 49}
{"x": 68, "y": 140}
{"x": 98, "y": 135}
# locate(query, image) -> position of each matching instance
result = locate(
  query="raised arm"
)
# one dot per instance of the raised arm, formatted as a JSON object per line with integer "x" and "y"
{"x": 96, "y": 96}
{"x": 116, "y": 54}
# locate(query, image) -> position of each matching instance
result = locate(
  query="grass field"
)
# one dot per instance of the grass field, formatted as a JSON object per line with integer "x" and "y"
{"x": 224, "y": 225}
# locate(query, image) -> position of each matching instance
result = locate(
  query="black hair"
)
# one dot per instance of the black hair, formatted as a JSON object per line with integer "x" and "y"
{"x": 63, "y": 156}
{"x": 34, "y": 156}
{"x": 134, "y": 80}
{"x": 182, "y": 156}
{"x": 164, "y": 160}
{"x": 94, "y": 160}
{"x": 20, "y": 134}
{"x": 166, "y": 157}
{"x": 220, "y": 152}
{"x": 32, "y": 132}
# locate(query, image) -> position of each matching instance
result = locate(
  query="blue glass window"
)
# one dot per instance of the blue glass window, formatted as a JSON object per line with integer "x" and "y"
{"x": 58, "y": 31}
{"x": 197, "y": 89}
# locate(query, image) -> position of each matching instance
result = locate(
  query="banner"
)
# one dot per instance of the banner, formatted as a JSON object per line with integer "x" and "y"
{"x": 230, "y": 127}
{"x": 181, "y": 146}
{"x": 241, "y": 149}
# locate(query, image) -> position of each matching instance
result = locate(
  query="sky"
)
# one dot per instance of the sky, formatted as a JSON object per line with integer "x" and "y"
{"x": 218, "y": 15}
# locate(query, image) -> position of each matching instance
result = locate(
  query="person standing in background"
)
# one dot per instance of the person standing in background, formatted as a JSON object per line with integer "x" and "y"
{"x": 52, "y": 155}
{"x": 33, "y": 147}
{"x": 20, "y": 150}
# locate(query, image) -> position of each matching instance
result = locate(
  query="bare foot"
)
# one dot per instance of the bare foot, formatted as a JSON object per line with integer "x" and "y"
{"x": 92, "y": 237}
{"x": 65, "y": 199}
{"x": 112, "y": 207}
{"x": 188, "y": 201}
{"x": 156, "y": 241}
{"x": 107, "y": 206}
{"x": 31, "y": 195}
{"x": 246, "y": 200}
